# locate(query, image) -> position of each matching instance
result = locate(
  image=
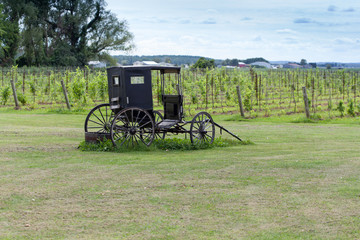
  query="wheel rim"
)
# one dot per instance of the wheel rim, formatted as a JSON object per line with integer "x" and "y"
{"x": 99, "y": 119}
{"x": 202, "y": 129}
{"x": 132, "y": 126}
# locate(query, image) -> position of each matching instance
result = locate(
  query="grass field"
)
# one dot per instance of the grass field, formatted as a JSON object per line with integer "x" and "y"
{"x": 297, "y": 181}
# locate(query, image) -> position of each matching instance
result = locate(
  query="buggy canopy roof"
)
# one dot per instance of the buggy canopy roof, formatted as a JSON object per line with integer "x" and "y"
{"x": 163, "y": 69}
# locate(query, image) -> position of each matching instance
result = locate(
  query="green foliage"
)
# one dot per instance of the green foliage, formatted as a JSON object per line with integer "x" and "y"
{"x": 78, "y": 86}
{"x": 341, "y": 108}
{"x": 247, "y": 100}
{"x": 5, "y": 94}
{"x": 60, "y": 32}
{"x": 351, "y": 108}
{"x": 204, "y": 63}
{"x": 102, "y": 86}
{"x": 33, "y": 89}
{"x": 10, "y": 14}
{"x": 22, "y": 98}
{"x": 170, "y": 144}
{"x": 194, "y": 98}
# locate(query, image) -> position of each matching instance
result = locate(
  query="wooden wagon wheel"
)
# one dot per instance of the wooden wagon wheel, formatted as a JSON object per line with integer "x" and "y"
{"x": 158, "y": 118}
{"x": 99, "y": 119}
{"x": 202, "y": 129}
{"x": 132, "y": 126}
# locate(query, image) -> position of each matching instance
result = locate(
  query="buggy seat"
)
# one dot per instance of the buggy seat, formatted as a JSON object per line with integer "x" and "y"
{"x": 173, "y": 108}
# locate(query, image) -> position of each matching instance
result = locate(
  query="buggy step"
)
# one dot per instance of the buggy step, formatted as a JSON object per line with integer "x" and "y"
{"x": 167, "y": 123}
{"x": 222, "y": 128}
{"x": 115, "y": 106}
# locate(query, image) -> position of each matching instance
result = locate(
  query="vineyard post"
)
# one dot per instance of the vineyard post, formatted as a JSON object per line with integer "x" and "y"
{"x": 206, "y": 91}
{"x": 49, "y": 80}
{"x": 65, "y": 94}
{"x": 14, "y": 94}
{"x": 212, "y": 89}
{"x": 355, "y": 83}
{"x": 306, "y": 101}
{"x": 240, "y": 101}
{"x": 23, "y": 83}
{"x": 158, "y": 88}
{"x": 313, "y": 94}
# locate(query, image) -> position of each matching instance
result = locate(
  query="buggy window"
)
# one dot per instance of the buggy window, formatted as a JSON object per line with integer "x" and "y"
{"x": 115, "y": 80}
{"x": 137, "y": 80}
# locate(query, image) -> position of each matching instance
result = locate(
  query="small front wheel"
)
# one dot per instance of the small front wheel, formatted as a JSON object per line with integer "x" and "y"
{"x": 202, "y": 129}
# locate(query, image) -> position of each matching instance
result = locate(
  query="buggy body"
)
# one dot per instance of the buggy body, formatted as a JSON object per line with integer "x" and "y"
{"x": 130, "y": 119}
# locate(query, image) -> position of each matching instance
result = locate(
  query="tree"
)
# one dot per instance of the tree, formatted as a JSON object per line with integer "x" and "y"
{"x": 204, "y": 63}
{"x": 303, "y": 62}
{"x": 63, "y": 32}
{"x": 230, "y": 62}
{"x": 11, "y": 13}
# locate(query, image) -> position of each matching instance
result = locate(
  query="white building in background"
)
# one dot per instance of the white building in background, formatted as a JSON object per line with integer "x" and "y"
{"x": 142, "y": 63}
{"x": 262, "y": 64}
{"x": 97, "y": 64}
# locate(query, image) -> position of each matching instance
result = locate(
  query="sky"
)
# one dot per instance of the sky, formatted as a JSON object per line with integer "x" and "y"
{"x": 315, "y": 30}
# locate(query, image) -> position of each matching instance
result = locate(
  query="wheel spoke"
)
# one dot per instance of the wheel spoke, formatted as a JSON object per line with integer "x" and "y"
{"x": 96, "y": 123}
{"x": 95, "y": 127}
{"x": 145, "y": 124}
{"x": 97, "y": 118}
{"x": 102, "y": 116}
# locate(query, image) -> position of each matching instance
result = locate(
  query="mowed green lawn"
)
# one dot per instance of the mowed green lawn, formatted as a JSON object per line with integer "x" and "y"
{"x": 297, "y": 181}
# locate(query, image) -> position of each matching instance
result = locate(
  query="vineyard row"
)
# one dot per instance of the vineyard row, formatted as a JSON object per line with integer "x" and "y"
{"x": 264, "y": 92}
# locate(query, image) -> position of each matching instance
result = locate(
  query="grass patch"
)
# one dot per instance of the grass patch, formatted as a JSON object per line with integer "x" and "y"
{"x": 170, "y": 144}
{"x": 295, "y": 118}
{"x": 299, "y": 181}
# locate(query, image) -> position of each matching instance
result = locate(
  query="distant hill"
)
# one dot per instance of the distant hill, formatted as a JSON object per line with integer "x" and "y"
{"x": 174, "y": 59}
{"x": 324, "y": 64}
{"x": 189, "y": 60}
{"x": 181, "y": 59}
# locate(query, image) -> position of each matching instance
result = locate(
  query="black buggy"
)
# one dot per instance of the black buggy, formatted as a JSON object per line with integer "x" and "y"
{"x": 129, "y": 118}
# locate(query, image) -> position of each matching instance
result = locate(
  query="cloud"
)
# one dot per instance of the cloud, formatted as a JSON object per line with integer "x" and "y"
{"x": 291, "y": 40}
{"x": 304, "y": 20}
{"x": 257, "y": 39}
{"x": 184, "y": 21}
{"x": 212, "y": 11}
{"x": 349, "y": 10}
{"x": 285, "y": 31}
{"x": 155, "y": 20}
{"x": 209, "y": 21}
{"x": 246, "y": 19}
{"x": 332, "y": 8}
{"x": 346, "y": 41}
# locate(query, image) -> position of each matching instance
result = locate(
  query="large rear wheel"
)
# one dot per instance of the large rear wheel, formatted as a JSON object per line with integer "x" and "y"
{"x": 132, "y": 126}
{"x": 99, "y": 119}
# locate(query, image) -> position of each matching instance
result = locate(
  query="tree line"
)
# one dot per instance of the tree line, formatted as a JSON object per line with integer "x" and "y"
{"x": 59, "y": 32}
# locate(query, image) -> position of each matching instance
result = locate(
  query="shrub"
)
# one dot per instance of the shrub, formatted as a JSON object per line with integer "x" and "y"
{"x": 351, "y": 109}
{"x": 341, "y": 108}
{"x": 22, "y": 98}
{"x": 5, "y": 94}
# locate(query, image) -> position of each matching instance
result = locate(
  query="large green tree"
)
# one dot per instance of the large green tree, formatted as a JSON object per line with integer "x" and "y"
{"x": 65, "y": 32}
{"x": 11, "y": 13}
{"x": 204, "y": 63}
